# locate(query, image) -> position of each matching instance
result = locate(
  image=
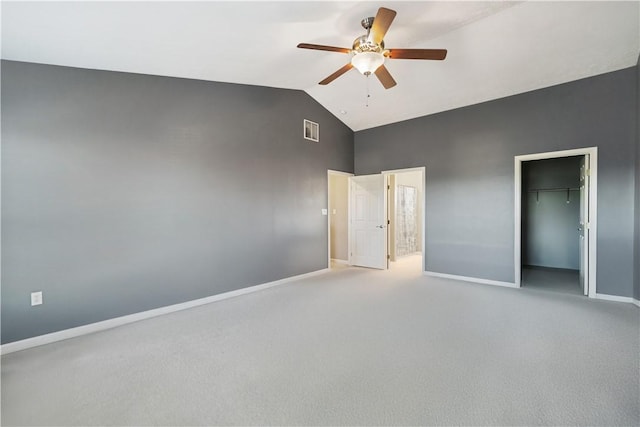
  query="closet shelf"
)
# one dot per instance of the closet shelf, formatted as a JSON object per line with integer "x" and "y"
{"x": 536, "y": 190}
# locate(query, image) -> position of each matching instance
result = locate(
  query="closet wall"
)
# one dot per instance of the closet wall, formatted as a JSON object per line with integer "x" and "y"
{"x": 551, "y": 213}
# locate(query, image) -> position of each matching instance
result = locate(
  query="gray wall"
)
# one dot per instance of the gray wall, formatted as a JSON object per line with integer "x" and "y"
{"x": 550, "y": 236}
{"x": 123, "y": 192}
{"x": 636, "y": 288}
{"x": 469, "y": 158}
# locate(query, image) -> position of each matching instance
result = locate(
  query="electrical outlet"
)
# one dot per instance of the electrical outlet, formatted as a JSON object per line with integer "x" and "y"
{"x": 36, "y": 298}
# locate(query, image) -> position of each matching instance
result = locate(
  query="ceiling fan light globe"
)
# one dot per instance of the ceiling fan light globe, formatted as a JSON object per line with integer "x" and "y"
{"x": 367, "y": 62}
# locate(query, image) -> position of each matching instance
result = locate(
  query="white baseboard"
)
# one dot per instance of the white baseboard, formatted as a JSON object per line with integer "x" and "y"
{"x": 123, "y": 320}
{"x": 470, "y": 279}
{"x": 340, "y": 261}
{"x": 616, "y": 298}
{"x": 636, "y": 302}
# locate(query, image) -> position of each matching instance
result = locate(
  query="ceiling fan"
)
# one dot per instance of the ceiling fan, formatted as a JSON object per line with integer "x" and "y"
{"x": 369, "y": 52}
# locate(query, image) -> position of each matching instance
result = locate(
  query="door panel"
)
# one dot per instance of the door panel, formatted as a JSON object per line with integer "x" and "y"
{"x": 368, "y": 221}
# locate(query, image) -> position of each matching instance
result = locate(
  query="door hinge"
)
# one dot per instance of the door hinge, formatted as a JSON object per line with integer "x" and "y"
{"x": 587, "y": 172}
{"x": 388, "y": 187}
{"x": 388, "y": 222}
{"x": 388, "y": 256}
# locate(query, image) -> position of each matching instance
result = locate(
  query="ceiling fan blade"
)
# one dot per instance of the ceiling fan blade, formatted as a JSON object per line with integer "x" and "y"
{"x": 381, "y": 24}
{"x": 385, "y": 77}
{"x": 337, "y": 74}
{"x": 322, "y": 47}
{"x": 436, "y": 54}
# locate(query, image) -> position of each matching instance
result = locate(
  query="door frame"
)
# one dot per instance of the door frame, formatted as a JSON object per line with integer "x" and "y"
{"x": 423, "y": 170}
{"x": 593, "y": 210}
{"x": 345, "y": 174}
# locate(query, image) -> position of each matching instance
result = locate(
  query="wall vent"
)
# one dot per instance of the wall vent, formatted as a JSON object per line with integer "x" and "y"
{"x": 311, "y": 130}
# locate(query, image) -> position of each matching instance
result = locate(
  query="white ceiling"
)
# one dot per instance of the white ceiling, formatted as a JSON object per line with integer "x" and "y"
{"x": 496, "y": 49}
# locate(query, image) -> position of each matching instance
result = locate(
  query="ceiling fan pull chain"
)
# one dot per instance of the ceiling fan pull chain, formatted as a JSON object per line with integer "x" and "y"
{"x": 368, "y": 95}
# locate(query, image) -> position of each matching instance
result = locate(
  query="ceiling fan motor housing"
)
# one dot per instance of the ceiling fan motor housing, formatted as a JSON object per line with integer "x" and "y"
{"x": 362, "y": 44}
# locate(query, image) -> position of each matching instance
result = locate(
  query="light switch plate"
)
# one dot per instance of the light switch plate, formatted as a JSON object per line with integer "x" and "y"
{"x": 36, "y": 298}
{"x": 324, "y": 211}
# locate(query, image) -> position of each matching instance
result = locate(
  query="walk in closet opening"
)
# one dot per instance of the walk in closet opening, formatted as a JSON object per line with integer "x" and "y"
{"x": 553, "y": 199}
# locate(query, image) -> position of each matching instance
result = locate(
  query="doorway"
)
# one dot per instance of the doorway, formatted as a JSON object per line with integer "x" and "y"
{"x": 338, "y": 219}
{"x": 405, "y": 219}
{"x": 555, "y": 221}
{"x": 386, "y": 220}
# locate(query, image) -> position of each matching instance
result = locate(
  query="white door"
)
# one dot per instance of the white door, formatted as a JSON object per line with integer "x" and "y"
{"x": 368, "y": 221}
{"x": 583, "y": 227}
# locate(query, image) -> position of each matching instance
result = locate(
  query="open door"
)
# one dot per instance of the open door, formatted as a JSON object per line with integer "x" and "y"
{"x": 583, "y": 227}
{"x": 368, "y": 221}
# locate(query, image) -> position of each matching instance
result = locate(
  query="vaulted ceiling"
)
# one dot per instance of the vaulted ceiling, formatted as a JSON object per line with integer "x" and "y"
{"x": 495, "y": 49}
